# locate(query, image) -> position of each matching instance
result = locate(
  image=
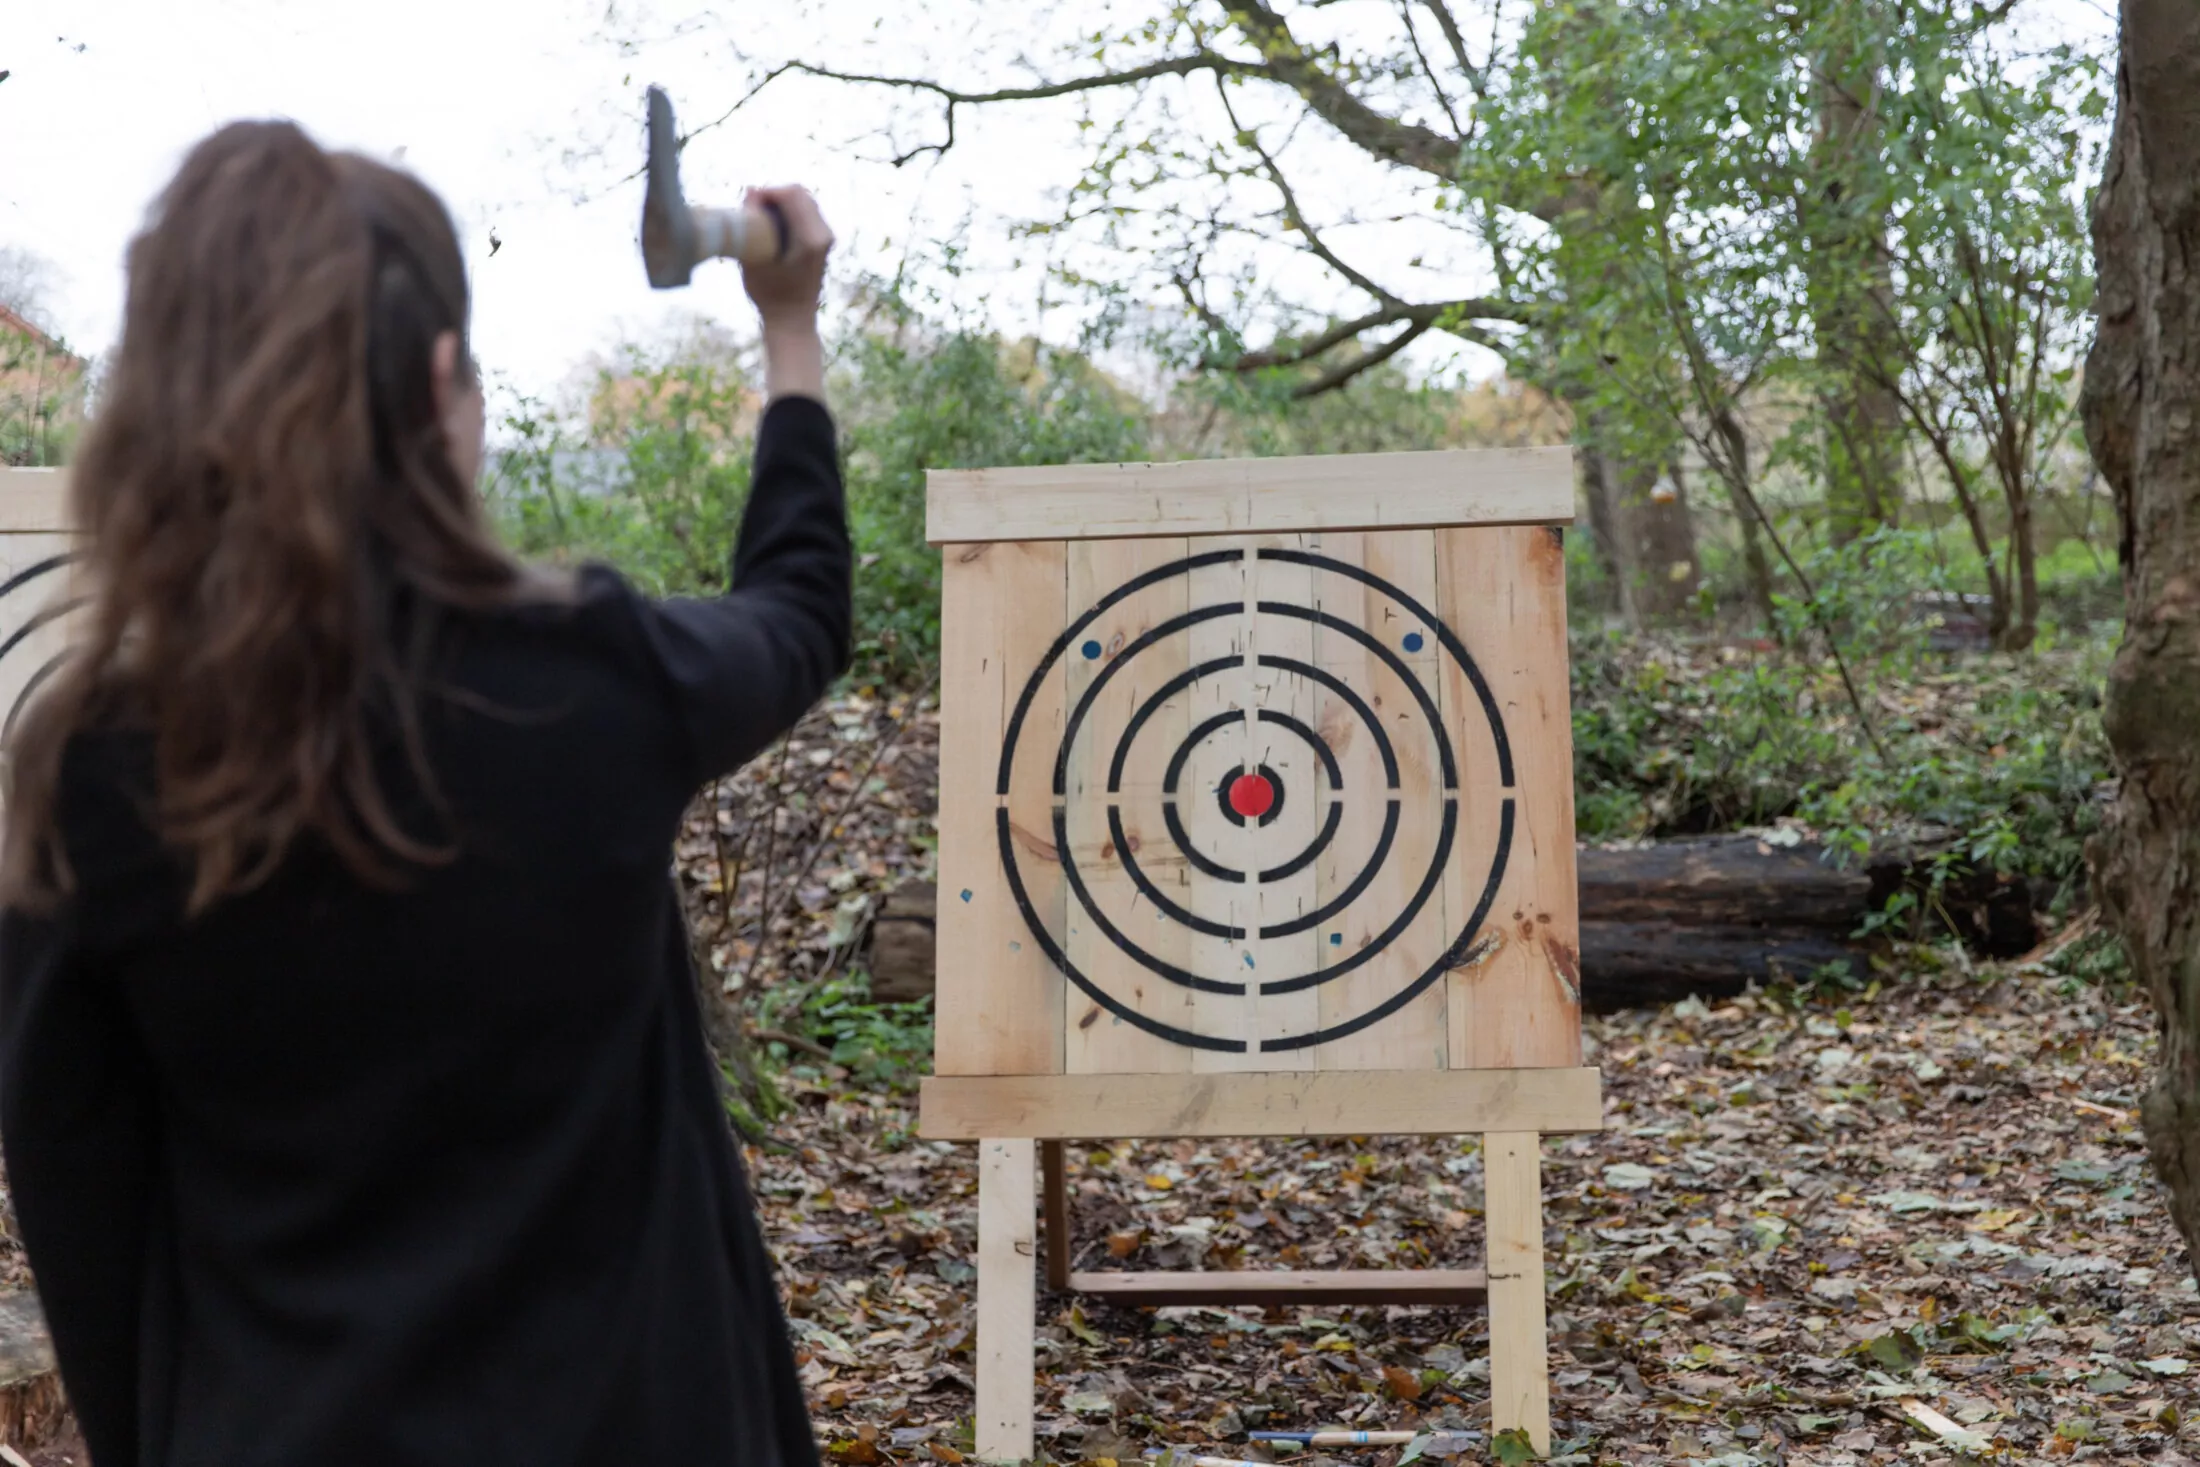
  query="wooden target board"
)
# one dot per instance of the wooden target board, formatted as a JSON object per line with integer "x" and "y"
{"x": 1256, "y": 818}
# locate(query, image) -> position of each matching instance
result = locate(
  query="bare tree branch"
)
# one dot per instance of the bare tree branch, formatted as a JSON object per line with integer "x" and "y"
{"x": 1455, "y": 39}
{"x": 1373, "y": 132}
{"x": 952, "y": 97}
{"x": 1292, "y": 214}
{"x": 1435, "y": 82}
{"x": 1335, "y": 336}
{"x": 1344, "y": 372}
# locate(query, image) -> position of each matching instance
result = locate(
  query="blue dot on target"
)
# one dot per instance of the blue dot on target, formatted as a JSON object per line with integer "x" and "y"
{"x": 1336, "y": 939}
{"x": 1413, "y": 641}
{"x": 1091, "y": 650}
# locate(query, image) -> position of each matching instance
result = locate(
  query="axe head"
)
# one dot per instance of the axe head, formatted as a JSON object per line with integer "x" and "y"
{"x": 668, "y": 225}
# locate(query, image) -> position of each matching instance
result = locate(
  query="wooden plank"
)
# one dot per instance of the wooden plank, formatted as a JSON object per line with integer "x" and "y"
{"x": 1008, "y": 1295}
{"x": 1213, "y": 761}
{"x": 1414, "y": 1037}
{"x": 1482, "y": 486}
{"x": 1515, "y": 1002}
{"x": 1127, "y": 676}
{"x": 33, "y": 500}
{"x": 1309, "y": 1103}
{"x": 1054, "y": 1196}
{"x": 999, "y": 995}
{"x": 1301, "y": 785}
{"x": 1282, "y": 1288}
{"x": 1520, "y": 1386}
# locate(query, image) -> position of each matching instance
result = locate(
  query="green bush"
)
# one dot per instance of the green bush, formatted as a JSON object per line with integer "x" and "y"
{"x": 653, "y": 478}
{"x": 1998, "y": 757}
{"x": 654, "y": 485}
{"x": 912, "y": 399}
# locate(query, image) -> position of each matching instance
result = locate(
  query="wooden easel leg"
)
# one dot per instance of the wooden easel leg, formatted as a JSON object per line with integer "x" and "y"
{"x": 1520, "y": 1386}
{"x": 1008, "y": 1296}
{"x": 1054, "y": 1190}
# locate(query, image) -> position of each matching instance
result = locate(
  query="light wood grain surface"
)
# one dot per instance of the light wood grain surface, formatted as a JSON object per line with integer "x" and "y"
{"x": 1481, "y": 486}
{"x": 1305, "y": 1103}
{"x": 1520, "y": 1385}
{"x": 1008, "y": 1292}
{"x": 1000, "y": 998}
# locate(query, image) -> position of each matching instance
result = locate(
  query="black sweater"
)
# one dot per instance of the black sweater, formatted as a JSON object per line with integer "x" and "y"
{"x": 334, "y": 1175}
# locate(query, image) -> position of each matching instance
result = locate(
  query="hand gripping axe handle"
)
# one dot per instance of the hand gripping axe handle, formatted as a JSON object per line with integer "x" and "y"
{"x": 675, "y": 237}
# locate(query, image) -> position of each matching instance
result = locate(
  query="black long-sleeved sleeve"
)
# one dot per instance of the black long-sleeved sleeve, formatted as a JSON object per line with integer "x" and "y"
{"x": 745, "y": 666}
{"x": 80, "y": 1153}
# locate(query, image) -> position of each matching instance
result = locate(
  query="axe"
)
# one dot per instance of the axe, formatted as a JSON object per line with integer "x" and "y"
{"x": 675, "y": 237}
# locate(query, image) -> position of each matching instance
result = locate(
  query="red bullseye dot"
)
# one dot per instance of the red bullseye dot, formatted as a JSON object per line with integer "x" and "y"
{"x": 1251, "y": 795}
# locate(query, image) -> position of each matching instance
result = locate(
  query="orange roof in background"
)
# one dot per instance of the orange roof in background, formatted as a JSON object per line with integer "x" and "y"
{"x": 11, "y": 321}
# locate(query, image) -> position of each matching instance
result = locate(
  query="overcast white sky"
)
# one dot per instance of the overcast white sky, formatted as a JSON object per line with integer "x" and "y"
{"x": 523, "y": 113}
{"x": 486, "y": 98}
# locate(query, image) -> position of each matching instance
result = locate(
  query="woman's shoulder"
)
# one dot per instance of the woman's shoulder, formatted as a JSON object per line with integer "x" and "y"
{"x": 590, "y": 604}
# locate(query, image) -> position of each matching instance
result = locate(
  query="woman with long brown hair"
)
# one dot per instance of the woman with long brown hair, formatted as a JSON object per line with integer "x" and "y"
{"x": 355, "y": 1098}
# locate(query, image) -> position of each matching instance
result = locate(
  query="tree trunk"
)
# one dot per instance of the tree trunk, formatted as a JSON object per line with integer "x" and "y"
{"x": 1596, "y": 479}
{"x": 1853, "y": 298}
{"x": 2024, "y": 554}
{"x": 1664, "y": 536}
{"x": 2141, "y": 382}
{"x": 1735, "y": 471}
{"x": 1645, "y": 533}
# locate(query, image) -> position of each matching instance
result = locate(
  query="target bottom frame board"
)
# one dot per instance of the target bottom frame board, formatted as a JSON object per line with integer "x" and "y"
{"x": 1256, "y": 818}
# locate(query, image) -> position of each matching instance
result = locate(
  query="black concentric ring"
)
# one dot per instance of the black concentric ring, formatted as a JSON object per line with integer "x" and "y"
{"x": 34, "y": 575}
{"x": 1229, "y": 781}
{"x": 1123, "y": 844}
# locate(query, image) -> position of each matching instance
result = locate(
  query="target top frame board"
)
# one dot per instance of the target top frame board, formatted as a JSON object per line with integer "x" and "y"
{"x": 1257, "y": 768}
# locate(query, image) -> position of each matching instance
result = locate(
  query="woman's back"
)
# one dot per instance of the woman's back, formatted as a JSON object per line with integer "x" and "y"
{"x": 343, "y": 1169}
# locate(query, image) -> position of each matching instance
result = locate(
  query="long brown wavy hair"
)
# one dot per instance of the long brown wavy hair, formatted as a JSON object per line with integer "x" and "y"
{"x": 266, "y": 493}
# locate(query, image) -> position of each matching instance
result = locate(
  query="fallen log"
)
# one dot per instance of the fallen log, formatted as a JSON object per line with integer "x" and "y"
{"x": 1706, "y": 915}
{"x": 902, "y": 941}
{"x": 1721, "y": 881}
{"x": 1637, "y": 964}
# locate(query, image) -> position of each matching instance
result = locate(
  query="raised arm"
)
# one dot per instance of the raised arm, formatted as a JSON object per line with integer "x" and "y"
{"x": 745, "y": 666}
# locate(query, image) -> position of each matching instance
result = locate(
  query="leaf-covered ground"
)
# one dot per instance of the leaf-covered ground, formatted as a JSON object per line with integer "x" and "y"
{"x": 1802, "y": 1217}
{"x": 1798, "y": 1221}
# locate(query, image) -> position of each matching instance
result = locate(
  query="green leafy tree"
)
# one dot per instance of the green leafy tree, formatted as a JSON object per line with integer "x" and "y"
{"x": 1924, "y": 256}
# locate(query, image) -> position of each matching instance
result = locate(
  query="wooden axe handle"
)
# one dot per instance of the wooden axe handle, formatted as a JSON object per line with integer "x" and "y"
{"x": 754, "y": 234}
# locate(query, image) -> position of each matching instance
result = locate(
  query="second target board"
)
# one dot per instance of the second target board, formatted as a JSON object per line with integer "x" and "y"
{"x": 1280, "y": 798}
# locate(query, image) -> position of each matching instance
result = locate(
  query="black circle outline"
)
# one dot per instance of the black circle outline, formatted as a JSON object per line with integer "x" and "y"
{"x": 1153, "y": 704}
{"x": 1070, "y": 633}
{"x": 1190, "y": 742}
{"x": 45, "y": 616}
{"x": 1202, "y": 862}
{"x": 1275, "y": 787}
{"x": 1444, "y": 634}
{"x": 1207, "y": 727}
{"x": 1492, "y": 715}
{"x": 1311, "y": 739}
